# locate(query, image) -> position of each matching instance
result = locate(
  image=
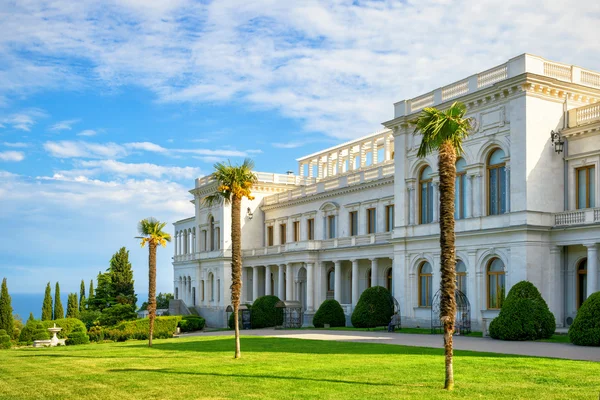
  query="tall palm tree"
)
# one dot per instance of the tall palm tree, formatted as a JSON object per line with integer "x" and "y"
{"x": 234, "y": 183}
{"x": 151, "y": 231}
{"x": 444, "y": 132}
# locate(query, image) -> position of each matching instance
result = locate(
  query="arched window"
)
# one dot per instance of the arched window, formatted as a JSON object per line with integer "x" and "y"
{"x": 331, "y": 280}
{"x": 460, "y": 200}
{"x": 496, "y": 183}
{"x": 496, "y": 283}
{"x": 388, "y": 280}
{"x": 581, "y": 282}
{"x": 211, "y": 223}
{"x": 369, "y": 278}
{"x": 425, "y": 284}
{"x": 461, "y": 276}
{"x": 426, "y": 196}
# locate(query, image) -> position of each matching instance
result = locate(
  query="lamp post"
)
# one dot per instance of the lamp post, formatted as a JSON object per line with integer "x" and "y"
{"x": 557, "y": 141}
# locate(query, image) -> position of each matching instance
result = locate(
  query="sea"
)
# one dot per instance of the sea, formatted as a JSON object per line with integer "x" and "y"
{"x": 25, "y": 303}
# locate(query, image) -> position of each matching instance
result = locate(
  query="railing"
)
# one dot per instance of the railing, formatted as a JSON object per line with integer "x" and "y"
{"x": 514, "y": 67}
{"x": 202, "y": 255}
{"x": 584, "y": 115}
{"x": 267, "y": 177}
{"x": 377, "y": 171}
{"x": 577, "y": 217}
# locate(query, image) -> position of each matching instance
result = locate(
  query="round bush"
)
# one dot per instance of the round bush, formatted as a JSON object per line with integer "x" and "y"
{"x": 374, "y": 308}
{"x": 77, "y": 336}
{"x": 191, "y": 323}
{"x": 585, "y": 330}
{"x": 27, "y": 332}
{"x": 5, "y": 342}
{"x": 330, "y": 312}
{"x": 264, "y": 314}
{"x": 524, "y": 315}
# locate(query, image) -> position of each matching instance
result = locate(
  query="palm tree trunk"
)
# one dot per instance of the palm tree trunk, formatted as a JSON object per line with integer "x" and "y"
{"x": 447, "y": 170}
{"x": 236, "y": 266}
{"x": 151, "y": 288}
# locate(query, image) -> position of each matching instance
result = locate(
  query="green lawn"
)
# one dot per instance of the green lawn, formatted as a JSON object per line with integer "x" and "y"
{"x": 281, "y": 368}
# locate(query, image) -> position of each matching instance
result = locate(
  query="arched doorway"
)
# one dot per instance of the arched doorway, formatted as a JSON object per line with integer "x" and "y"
{"x": 581, "y": 282}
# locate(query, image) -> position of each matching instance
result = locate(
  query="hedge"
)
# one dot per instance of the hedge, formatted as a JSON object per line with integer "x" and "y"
{"x": 164, "y": 327}
{"x": 190, "y": 323}
{"x": 67, "y": 325}
{"x": 5, "y": 342}
{"x": 264, "y": 314}
{"x": 78, "y": 336}
{"x": 524, "y": 315}
{"x": 330, "y": 312}
{"x": 585, "y": 330}
{"x": 40, "y": 332}
{"x": 374, "y": 308}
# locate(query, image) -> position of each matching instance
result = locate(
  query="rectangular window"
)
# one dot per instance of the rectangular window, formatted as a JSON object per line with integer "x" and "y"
{"x": 586, "y": 187}
{"x": 282, "y": 233}
{"x": 269, "y": 236}
{"x": 353, "y": 223}
{"x": 310, "y": 225}
{"x": 389, "y": 218}
{"x": 371, "y": 220}
{"x": 296, "y": 231}
{"x": 331, "y": 227}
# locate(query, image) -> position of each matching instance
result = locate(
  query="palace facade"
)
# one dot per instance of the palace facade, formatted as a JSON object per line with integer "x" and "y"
{"x": 365, "y": 212}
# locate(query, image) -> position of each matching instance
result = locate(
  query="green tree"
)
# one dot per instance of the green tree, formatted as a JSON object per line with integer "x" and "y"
{"x": 121, "y": 277}
{"x": 162, "y": 301}
{"x": 443, "y": 132}
{"x": 91, "y": 292}
{"x": 103, "y": 296}
{"x": 151, "y": 231}
{"x": 31, "y": 318}
{"x": 82, "y": 296}
{"x": 6, "y": 316}
{"x": 72, "y": 306}
{"x": 47, "y": 306}
{"x": 58, "y": 308}
{"x": 234, "y": 183}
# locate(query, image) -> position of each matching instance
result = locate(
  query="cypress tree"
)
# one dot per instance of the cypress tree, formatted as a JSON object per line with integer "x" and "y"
{"x": 72, "y": 306}
{"x": 102, "y": 298}
{"x": 121, "y": 278}
{"x": 47, "y": 306}
{"x": 58, "y": 308}
{"x": 6, "y": 317}
{"x": 91, "y": 292}
{"x": 82, "y": 296}
{"x": 30, "y": 317}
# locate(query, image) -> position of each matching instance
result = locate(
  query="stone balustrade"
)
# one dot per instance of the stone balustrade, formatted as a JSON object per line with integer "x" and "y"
{"x": 584, "y": 115}
{"x": 577, "y": 217}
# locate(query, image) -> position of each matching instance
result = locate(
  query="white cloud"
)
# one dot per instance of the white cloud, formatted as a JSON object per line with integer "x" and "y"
{"x": 65, "y": 125}
{"x": 24, "y": 120}
{"x": 146, "y": 146}
{"x": 16, "y": 144}
{"x": 72, "y": 149}
{"x": 288, "y": 145}
{"x": 141, "y": 169}
{"x": 87, "y": 132}
{"x": 14, "y": 156}
{"x": 335, "y": 66}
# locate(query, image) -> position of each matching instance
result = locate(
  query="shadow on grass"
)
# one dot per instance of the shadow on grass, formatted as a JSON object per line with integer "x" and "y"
{"x": 220, "y": 344}
{"x": 236, "y": 375}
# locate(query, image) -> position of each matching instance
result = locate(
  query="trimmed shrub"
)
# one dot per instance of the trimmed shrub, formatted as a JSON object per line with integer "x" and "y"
{"x": 164, "y": 327}
{"x": 524, "y": 315}
{"x": 27, "y": 332}
{"x": 4, "y": 340}
{"x": 77, "y": 336}
{"x": 374, "y": 308}
{"x": 89, "y": 317}
{"x": 191, "y": 323}
{"x": 118, "y": 313}
{"x": 264, "y": 314}
{"x": 330, "y": 312}
{"x": 40, "y": 332}
{"x": 585, "y": 330}
{"x": 67, "y": 325}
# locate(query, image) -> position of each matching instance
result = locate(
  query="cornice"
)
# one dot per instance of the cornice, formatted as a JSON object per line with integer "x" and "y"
{"x": 336, "y": 192}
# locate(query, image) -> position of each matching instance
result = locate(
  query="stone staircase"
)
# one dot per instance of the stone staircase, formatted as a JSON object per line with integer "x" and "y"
{"x": 178, "y": 307}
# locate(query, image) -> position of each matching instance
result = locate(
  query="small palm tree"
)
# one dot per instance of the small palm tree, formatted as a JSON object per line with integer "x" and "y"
{"x": 234, "y": 183}
{"x": 151, "y": 231}
{"x": 444, "y": 132}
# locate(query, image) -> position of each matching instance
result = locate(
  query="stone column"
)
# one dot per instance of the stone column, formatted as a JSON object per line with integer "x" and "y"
{"x": 354, "y": 283}
{"x": 329, "y": 164}
{"x": 469, "y": 197}
{"x": 175, "y": 247}
{"x": 310, "y": 169}
{"x": 436, "y": 201}
{"x": 280, "y": 282}
{"x": 340, "y": 162}
{"x": 268, "y": 289}
{"x": 363, "y": 154}
{"x": 412, "y": 212}
{"x": 374, "y": 272}
{"x": 374, "y": 156}
{"x": 338, "y": 281}
{"x": 386, "y": 148}
{"x": 592, "y": 268}
{"x": 254, "y": 283}
{"x": 319, "y": 168}
{"x": 310, "y": 291}
{"x": 289, "y": 289}
{"x": 477, "y": 197}
{"x": 351, "y": 165}
{"x": 301, "y": 170}
{"x": 555, "y": 292}
{"x": 507, "y": 183}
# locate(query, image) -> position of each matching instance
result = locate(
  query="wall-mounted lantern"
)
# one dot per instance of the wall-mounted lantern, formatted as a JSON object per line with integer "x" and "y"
{"x": 557, "y": 141}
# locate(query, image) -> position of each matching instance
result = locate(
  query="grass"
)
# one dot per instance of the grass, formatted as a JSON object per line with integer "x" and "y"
{"x": 282, "y": 368}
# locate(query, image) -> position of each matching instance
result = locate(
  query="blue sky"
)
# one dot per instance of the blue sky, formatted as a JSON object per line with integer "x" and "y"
{"x": 109, "y": 110}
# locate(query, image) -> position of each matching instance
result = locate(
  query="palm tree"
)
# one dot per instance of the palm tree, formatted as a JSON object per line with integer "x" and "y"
{"x": 444, "y": 132}
{"x": 234, "y": 183}
{"x": 151, "y": 231}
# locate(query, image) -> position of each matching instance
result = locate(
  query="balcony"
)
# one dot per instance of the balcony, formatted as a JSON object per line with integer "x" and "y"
{"x": 577, "y": 217}
{"x": 584, "y": 115}
{"x": 267, "y": 177}
{"x": 202, "y": 255}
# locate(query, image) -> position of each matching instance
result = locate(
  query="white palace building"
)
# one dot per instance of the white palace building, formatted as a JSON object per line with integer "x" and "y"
{"x": 365, "y": 212}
